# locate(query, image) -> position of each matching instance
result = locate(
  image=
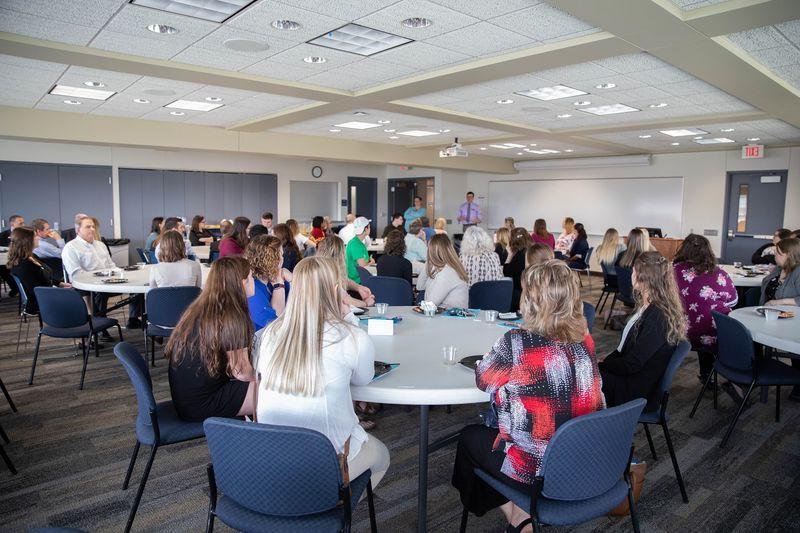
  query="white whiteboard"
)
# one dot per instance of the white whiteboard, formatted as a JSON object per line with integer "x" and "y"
{"x": 622, "y": 203}
{"x": 308, "y": 199}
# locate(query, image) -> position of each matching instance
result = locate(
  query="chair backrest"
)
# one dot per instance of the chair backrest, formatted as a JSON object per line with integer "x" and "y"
{"x": 274, "y": 470}
{"x": 588, "y": 256}
{"x": 494, "y": 295}
{"x": 165, "y": 305}
{"x": 393, "y": 291}
{"x": 735, "y": 343}
{"x": 136, "y": 367}
{"x": 23, "y": 296}
{"x": 607, "y": 276}
{"x": 624, "y": 284}
{"x": 61, "y": 308}
{"x": 680, "y": 353}
{"x": 151, "y": 255}
{"x": 213, "y": 256}
{"x": 143, "y": 257}
{"x": 589, "y": 314}
{"x": 363, "y": 273}
{"x": 588, "y": 454}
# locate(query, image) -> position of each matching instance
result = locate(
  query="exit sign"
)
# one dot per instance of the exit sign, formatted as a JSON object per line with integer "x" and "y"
{"x": 753, "y": 151}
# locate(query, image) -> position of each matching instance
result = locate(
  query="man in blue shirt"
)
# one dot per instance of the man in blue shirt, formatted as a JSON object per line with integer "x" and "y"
{"x": 469, "y": 213}
{"x": 50, "y": 242}
{"x": 414, "y": 212}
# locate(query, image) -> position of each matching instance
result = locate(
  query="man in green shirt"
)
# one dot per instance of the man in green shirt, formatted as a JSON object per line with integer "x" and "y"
{"x": 356, "y": 254}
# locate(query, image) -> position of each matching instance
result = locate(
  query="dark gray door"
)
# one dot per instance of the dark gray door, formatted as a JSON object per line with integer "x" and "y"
{"x": 362, "y": 199}
{"x": 754, "y": 211}
{"x": 30, "y": 190}
{"x": 87, "y": 189}
{"x": 215, "y": 196}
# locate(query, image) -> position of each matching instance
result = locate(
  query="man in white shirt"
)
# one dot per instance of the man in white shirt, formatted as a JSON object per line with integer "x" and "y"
{"x": 349, "y": 230}
{"x": 50, "y": 242}
{"x": 85, "y": 254}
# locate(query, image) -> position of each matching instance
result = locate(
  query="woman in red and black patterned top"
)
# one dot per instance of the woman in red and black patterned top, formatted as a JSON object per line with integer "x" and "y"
{"x": 538, "y": 376}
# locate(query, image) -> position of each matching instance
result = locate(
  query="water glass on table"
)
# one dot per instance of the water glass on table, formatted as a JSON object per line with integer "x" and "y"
{"x": 449, "y": 355}
{"x": 381, "y": 308}
{"x": 771, "y": 314}
{"x": 490, "y": 315}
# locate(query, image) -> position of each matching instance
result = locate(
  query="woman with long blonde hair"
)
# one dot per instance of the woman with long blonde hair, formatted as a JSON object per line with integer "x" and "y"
{"x": 444, "y": 279}
{"x": 635, "y": 368}
{"x": 209, "y": 350}
{"x": 333, "y": 247}
{"x": 637, "y": 245}
{"x": 609, "y": 250}
{"x": 502, "y": 237}
{"x": 538, "y": 253}
{"x": 648, "y": 246}
{"x": 538, "y": 376}
{"x": 307, "y": 360}
{"x": 567, "y": 237}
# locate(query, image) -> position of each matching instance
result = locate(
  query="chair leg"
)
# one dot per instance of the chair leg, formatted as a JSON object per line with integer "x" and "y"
{"x": 716, "y": 390}
{"x": 152, "y": 351}
{"x": 634, "y": 513}
{"x": 610, "y": 311}
{"x": 7, "y": 460}
{"x": 777, "y": 403}
{"x": 738, "y": 414}
{"x": 96, "y": 345}
{"x": 373, "y": 524}
{"x": 85, "y": 346}
{"x": 597, "y": 306}
{"x": 700, "y": 394}
{"x": 119, "y": 332}
{"x": 650, "y": 441}
{"x": 35, "y": 356}
{"x": 8, "y": 396}
{"x": 3, "y": 436}
{"x": 672, "y": 456}
{"x": 130, "y": 465}
{"x": 19, "y": 332}
{"x": 140, "y": 491}
{"x": 464, "y": 518}
{"x": 210, "y": 522}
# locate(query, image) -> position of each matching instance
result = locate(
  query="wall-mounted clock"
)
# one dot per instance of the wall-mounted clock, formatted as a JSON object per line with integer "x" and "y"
{"x": 316, "y": 171}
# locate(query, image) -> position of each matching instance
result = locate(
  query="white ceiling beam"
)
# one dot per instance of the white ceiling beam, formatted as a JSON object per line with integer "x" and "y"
{"x": 740, "y": 15}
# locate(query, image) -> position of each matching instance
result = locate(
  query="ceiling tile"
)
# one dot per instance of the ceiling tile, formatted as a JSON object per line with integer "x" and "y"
{"x": 56, "y": 103}
{"x": 216, "y": 41}
{"x": 543, "y": 23}
{"x": 631, "y": 63}
{"x": 777, "y": 57}
{"x": 221, "y": 59}
{"x": 31, "y": 63}
{"x": 422, "y": 55}
{"x": 133, "y": 20}
{"x": 789, "y": 73}
{"x": 163, "y": 113}
{"x": 689, "y": 5}
{"x": 44, "y": 28}
{"x": 572, "y": 73}
{"x": 790, "y": 30}
{"x": 662, "y": 75}
{"x": 684, "y": 88}
{"x": 91, "y": 13}
{"x": 333, "y": 58}
{"x": 258, "y": 18}
{"x": 389, "y": 19}
{"x": 136, "y": 45}
{"x": 486, "y": 9}
{"x": 376, "y": 71}
{"x": 758, "y": 38}
{"x": 482, "y": 39}
{"x": 269, "y": 103}
{"x": 339, "y": 79}
{"x": 341, "y": 9}
{"x": 113, "y": 81}
{"x": 281, "y": 71}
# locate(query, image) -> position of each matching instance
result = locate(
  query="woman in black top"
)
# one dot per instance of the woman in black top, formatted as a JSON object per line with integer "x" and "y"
{"x": 635, "y": 368}
{"x": 199, "y": 235}
{"x": 397, "y": 224}
{"x": 209, "y": 350}
{"x": 520, "y": 241}
{"x": 579, "y": 249}
{"x": 31, "y": 271}
{"x": 392, "y": 263}
{"x": 291, "y": 252}
{"x": 765, "y": 255}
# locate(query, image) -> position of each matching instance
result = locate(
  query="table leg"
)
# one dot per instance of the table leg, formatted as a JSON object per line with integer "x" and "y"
{"x": 422, "y": 491}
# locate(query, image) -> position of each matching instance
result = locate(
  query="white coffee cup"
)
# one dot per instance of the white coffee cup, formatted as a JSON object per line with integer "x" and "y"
{"x": 771, "y": 314}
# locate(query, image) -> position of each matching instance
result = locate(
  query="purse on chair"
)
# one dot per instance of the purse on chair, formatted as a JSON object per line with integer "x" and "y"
{"x": 638, "y": 472}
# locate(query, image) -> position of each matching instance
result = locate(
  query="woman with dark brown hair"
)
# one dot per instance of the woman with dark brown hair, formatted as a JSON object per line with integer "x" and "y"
{"x": 209, "y": 350}
{"x": 31, "y": 271}
{"x": 173, "y": 268}
{"x": 291, "y": 252}
{"x": 392, "y": 263}
{"x": 235, "y": 242}
{"x": 520, "y": 241}
{"x": 541, "y": 235}
{"x": 198, "y": 234}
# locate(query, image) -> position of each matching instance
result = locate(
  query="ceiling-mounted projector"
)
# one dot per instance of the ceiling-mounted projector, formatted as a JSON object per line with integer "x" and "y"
{"x": 454, "y": 150}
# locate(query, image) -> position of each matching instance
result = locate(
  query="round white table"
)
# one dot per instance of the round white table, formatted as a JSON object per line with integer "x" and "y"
{"x": 376, "y": 246}
{"x": 138, "y": 281}
{"x": 423, "y": 379}
{"x": 3, "y": 258}
{"x": 782, "y": 334}
{"x": 202, "y": 252}
{"x": 740, "y": 279}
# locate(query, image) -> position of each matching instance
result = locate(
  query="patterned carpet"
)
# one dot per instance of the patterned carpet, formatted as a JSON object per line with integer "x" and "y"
{"x": 72, "y": 447}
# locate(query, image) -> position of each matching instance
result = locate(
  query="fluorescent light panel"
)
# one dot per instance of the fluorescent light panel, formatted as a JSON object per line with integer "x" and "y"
{"x": 213, "y": 10}
{"x": 551, "y": 93}
{"x": 356, "y": 125}
{"x": 544, "y": 151}
{"x": 683, "y": 132}
{"x": 613, "y": 109}
{"x": 359, "y": 40}
{"x": 193, "y": 106}
{"x": 716, "y": 140}
{"x": 417, "y": 133}
{"x": 82, "y": 92}
{"x": 507, "y": 146}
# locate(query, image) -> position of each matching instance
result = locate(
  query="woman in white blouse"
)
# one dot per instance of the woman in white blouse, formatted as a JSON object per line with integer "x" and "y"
{"x": 306, "y": 362}
{"x": 567, "y": 237}
{"x": 444, "y": 279}
{"x": 478, "y": 257}
{"x": 173, "y": 268}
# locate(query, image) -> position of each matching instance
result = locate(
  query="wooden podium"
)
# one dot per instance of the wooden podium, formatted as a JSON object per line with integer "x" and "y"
{"x": 667, "y": 246}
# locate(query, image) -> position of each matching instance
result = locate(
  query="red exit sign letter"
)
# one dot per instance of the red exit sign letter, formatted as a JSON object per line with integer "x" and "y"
{"x": 753, "y": 151}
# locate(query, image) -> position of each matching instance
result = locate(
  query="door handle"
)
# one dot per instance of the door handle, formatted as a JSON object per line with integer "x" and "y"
{"x": 730, "y": 234}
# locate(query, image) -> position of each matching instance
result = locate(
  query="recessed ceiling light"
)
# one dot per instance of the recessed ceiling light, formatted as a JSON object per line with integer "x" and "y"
{"x": 334, "y": 130}
{"x": 716, "y": 140}
{"x": 684, "y": 132}
{"x": 141, "y": 101}
{"x": 483, "y": 148}
{"x": 645, "y": 136}
{"x": 507, "y": 146}
{"x": 563, "y": 115}
{"x": 288, "y": 25}
{"x": 177, "y": 113}
{"x": 417, "y": 22}
{"x": 445, "y": 130}
{"x": 212, "y": 10}
{"x": 389, "y": 130}
{"x": 245, "y": 45}
{"x": 612, "y": 109}
{"x": 698, "y": 138}
{"x": 582, "y": 102}
{"x": 82, "y": 92}
{"x": 213, "y": 99}
{"x": 418, "y": 133}
{"x": 505, "y": 101}
{"x": 73, "y": 102}
{"x": 533, "y": 144}
{"x": 544, "y": 151}
{"x": 393, "y": 137}
{"x": 551, "y": 93}
{"x": 569, "y": 150}
{"x": 658, "y": 105}
{"x": 384, "y": 122}
{"x": 727, "y": 130}
{"x": 605, "y": 85}
{"x": 520, "y": 153}
{"x": 355, "y": 125}
{"x": 163, "y": 29}
{"x": 675, "y": 144}
{"x": 315, "y": 60}
{"x": 192, "y": 105}
{"x": 94, "y": 84}
{"x": 359, "y": 40}
{"x": 754, "y": 139}
{"x": 360, "y": 113}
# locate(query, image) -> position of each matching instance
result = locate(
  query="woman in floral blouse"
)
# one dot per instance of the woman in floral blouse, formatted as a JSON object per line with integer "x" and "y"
{"x": 539, "y": 376}
{"x": 704, "y": 287}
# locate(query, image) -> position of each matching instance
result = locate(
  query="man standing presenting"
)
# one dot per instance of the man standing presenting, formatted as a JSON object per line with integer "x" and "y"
{"x": 469, "y": 214}
{"x": 414, "y": 212}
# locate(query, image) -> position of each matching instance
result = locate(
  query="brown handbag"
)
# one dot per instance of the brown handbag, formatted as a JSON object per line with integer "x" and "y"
{"x": 637, "y": 473}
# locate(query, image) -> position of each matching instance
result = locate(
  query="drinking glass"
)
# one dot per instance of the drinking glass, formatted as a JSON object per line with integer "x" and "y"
{"x": 490, "y": 315}
{"x": 381, "y": 308}
{"x": 771, "y": 314}
{"x": 449, "y": 355}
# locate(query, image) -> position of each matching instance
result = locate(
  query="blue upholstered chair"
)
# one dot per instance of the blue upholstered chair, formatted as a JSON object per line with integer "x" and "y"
{"x": 24, "y": 313}
{"x": 586, "y": 269}
{"x": 393, "y": 291}
{"x": 278, "y": 479}
{"x": 157, "y": 424}
{"x": 737, "y": 362}
{"x": 64, "y": 315}
{"x": 589, "y": 314}
{"x": 165, "y": 306}
{"x": 144, "y": 257}
{"x": 609, "y": 287}
{"x": 624, "y": 292}
{"x": 495, "y": 295}
{"x": 585, "y": 471}
{"x": 363, "y": 273}
{"x": 658, "y": 414}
